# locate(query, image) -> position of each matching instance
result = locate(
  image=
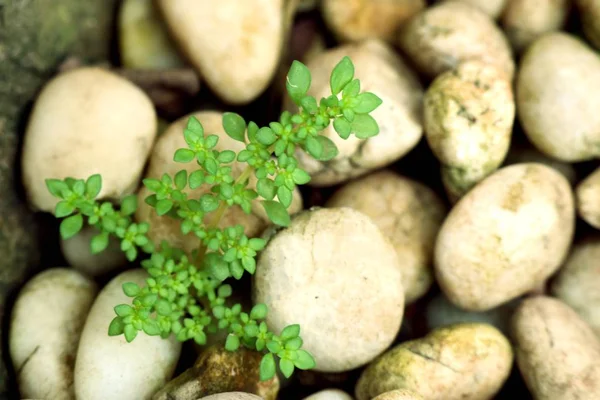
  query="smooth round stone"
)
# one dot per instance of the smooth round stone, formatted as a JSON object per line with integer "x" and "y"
{"x": 333, "y": 272}
{"x": 87, "y": 121}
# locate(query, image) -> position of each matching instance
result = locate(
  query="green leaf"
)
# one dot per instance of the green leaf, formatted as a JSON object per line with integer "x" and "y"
{"x": 131, "y": 289}
{"x": 93, "y": 185}
{"x": 304, "y": 360}
{"x": 266, "y": 188}
{"x": 70, "y": 226}
{"x": 266, "y": 136}
{"x": 300, "y": 177}
{"x": 235, "y": 126}
{"x": 232, "y": 343}
{"x": 184, "y": 156}
{"x": 79, "y": 187}
{"x": 162, "y": 307}
{"x": 181, "y": 179}
{"x": 152, "y": 184}
{"x": 249, "y": 264}
{"x": 298, "y": 81}
{"x": 276, "y": 213}
{"x": 116, "y": 327}
{"x": 349, "y": 114}
{"x": 151, "y": 328}
{"x": 367, "y": 102}
{"x": 257, "y": 244}
{"x": 259, "y": 311}
{"x": 309, "y": 103}
{"x": 219, "y": 269}
{"x": 293, "y": 344}
{"x": 226, "y": 156}
{"x": 63, "y": 209}
{"x": 252, "y": 130}
{"x": 130, "y": 333}
{"x": 341, "y": 75}
{"x": 343, "y": 127}
{"x": 352, "y": 89}
{"x": 364, "y": 126}
{"x": 194, "y": 125}
{"x": 211, "y": 141}
{"x": 196, "y": 179}
{"x": 56, "y": 187}
{"x": 290, "y": 332}
{"x": 267, "y": 367}
{"x": 287, "y": 367}
{"x": 284, "y": 195}
{"x": 123, "y": 310}
{"x": 273, "y": 346}
{"x": 314, "y": 147}
{"x": 209, "y": 203}
{"x": 200, "y": 338}
{"x": 236, "y": 269}
{"x": 99, "y": 243}
{"x": 129, "y": 205}
{"x": 163, "y": 206}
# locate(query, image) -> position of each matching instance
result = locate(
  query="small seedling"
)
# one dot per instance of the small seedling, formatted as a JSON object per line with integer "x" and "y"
{"x": 185, "y": 294}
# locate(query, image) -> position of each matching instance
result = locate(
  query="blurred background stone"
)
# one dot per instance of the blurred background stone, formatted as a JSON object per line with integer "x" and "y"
{"x": 35, "y": 37}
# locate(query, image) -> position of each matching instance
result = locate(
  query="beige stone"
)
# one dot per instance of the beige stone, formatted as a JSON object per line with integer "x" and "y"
{"x": 468, "y": 117}
{"x": 84, "y": 122}
{"x": 333, "y": 272}
{"x": 578, "y": 281}
{"x": 587, "y": 194}
{"x": 561, "y": 120}
{"x": 526, "y": 20}
{"x": 107, "y": 367}
{"x": 443, "y": 35}
{"x": 463, "y": 361}
{"x": 408, "y": 213}
{"x": 46, "y": 323}
{"x": 356, "y": 20}
{"x": 556, "y": 351}
{"x": 235, "y": 46}
{"x": 505, "y": 237}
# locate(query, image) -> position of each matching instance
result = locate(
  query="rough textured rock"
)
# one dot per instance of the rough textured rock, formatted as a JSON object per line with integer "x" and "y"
{"x": 218, "y": 370}
{"x": 399, "y": 394}
{"x": 458, "y": 362}
{"x": 35, "y": 36}
{"x": 468, "y": 117}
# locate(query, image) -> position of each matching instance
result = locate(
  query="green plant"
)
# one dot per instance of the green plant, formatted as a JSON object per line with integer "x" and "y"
{"x": 185, "y": 294}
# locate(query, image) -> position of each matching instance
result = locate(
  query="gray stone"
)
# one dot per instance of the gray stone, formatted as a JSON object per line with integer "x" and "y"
{"x": 35, "y": 37}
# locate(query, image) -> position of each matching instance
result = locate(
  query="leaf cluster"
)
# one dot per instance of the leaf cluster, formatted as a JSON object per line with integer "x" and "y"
{"x": 185, "y": 294}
